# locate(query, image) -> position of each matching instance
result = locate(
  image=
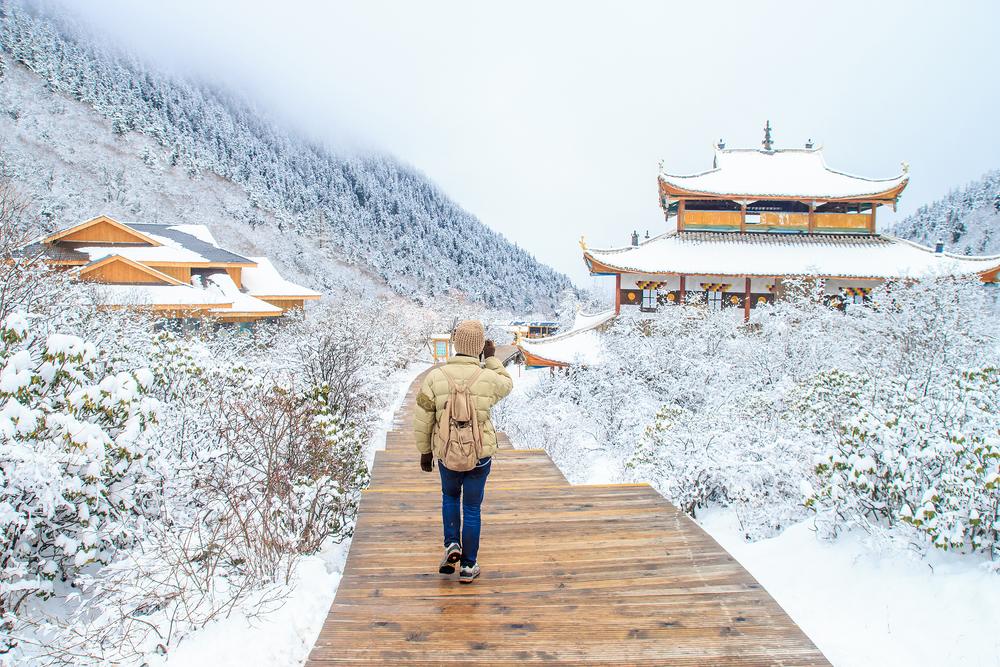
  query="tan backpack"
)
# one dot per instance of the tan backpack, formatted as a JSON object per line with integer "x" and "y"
{"x": 460, "y": 437}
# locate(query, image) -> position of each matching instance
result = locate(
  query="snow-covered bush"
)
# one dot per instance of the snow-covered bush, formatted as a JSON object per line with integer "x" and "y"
{"x": 921, "y": 452}
{"x": 743, "y": 456}
{"x": 879, "y": 415}
{"x": 74, "y": 457}
{"x": 284, "y": 474}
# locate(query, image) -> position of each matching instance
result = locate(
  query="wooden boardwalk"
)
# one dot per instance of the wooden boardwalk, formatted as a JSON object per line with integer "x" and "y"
{"x": 572, "y": 575}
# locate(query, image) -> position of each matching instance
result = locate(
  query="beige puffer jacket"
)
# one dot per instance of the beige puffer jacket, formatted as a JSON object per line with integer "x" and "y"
{"x": 492, "y": 385}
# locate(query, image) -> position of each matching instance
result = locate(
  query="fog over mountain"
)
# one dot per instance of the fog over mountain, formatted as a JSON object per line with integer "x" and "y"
{"x": 90, "y": 129}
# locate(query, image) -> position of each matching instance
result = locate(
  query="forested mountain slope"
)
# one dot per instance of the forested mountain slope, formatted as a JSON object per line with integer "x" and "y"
{"x": 90, "y": 129}
{"x": 967, "y": 221}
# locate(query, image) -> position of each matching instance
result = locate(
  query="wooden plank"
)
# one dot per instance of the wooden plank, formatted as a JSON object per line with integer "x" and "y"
{"x": 572, "y": 575}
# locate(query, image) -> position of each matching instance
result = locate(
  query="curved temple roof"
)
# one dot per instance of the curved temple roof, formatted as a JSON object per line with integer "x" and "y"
{"x": 878, "y": 257}
{"x": 779, "y": 174}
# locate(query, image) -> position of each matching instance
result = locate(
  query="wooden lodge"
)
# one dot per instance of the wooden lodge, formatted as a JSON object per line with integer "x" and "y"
{"x": 177, "y": 271}
{"x": 759, "y": 217}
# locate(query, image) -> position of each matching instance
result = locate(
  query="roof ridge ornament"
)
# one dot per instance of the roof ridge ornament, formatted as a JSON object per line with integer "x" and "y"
{"x": 906, "y": 167}
{"x": 768, "y": 142}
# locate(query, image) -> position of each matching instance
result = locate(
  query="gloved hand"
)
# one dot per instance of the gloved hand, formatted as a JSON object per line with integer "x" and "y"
{"x": 425, "y": 461}
{"x": 489, "y": 350}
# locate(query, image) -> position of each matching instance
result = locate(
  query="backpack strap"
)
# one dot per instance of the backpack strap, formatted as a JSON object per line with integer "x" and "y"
{"x": 471, "y": 381}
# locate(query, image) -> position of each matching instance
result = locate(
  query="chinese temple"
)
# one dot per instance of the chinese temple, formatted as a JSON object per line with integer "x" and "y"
{"x": 760, "y": 216}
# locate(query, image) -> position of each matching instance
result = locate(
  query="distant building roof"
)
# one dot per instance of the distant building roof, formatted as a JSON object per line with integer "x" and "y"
{"x": 877, "y": 256}
{"x": 778, "y": 174}
{"x": 582, "y": 344}
{"x": 137, "y": 264}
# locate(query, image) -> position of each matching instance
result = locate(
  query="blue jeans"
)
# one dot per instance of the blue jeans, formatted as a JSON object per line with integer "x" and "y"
{"x": 461, "y": 513}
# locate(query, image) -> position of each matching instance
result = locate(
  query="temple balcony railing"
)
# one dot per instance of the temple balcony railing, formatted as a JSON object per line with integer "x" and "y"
{"x": 778, "y": 221}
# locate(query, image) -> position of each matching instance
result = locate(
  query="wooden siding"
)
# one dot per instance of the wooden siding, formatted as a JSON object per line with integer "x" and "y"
{"x": 631, "y": 297}
{"x": 572, "y": 575}
{"x": 236, "y": 273}
{"x": 781, "y": 220}
{"x": 711, "y": 219}
{"x": 286, "y": 303}
{"x": 826, "y": 221}
{"x": 104, "y": 233}
{"x": 122, "y": 273}
{"x": 181, "y": 273}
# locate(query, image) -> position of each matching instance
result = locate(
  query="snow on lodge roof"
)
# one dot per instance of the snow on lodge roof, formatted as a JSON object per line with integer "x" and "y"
{"x": 876, "y": 256}
{"x": 780, "y": 174}
{"x": 264, "y": 280}
{"x": 179, "y": 267}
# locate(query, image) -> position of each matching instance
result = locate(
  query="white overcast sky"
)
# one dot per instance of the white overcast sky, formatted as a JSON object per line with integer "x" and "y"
{"x": 548, "y": 120}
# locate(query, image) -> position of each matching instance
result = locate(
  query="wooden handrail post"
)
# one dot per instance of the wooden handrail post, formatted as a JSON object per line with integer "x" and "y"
{"x": 746, "y": 302}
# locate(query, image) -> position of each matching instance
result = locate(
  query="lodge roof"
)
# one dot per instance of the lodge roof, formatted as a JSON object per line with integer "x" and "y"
{"x": 799, "y": 174}
{"x": 876, "y": 256}
{"x": 186, "y": 237}
{"x": 149, "y": 248}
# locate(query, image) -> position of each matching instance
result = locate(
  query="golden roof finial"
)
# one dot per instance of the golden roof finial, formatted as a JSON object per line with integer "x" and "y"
{"x": 906, "y": 167}
{"x": 582, "y": 244}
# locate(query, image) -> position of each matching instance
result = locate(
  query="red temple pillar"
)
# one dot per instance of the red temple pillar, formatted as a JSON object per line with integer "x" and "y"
{"x": 618, "y": 294}
{"x": 746, "y": 302}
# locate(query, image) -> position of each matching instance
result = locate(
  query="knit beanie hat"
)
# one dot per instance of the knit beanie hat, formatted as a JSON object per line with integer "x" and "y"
{"x": 470, "y": 338}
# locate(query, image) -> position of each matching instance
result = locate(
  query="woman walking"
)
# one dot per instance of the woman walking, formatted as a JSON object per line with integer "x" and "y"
{"x": 461, "y": 491}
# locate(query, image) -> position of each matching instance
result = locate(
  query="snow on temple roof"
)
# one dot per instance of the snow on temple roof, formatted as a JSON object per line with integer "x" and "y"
{"x": 879, "y": 257}
{"x": 790, "y": 173}
{"x": 264, "y": 280}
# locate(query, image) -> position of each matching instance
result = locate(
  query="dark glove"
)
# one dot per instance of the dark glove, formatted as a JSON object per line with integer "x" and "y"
{"x": 489, "y": 350}
{"x": 425, "y": 461}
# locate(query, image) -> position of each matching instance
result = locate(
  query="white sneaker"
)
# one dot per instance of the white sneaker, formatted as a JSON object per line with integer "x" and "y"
{"x": 467, "y": 574}
{"x": 452, "y": 554}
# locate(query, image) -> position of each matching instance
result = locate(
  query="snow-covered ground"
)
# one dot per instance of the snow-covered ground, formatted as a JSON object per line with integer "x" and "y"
{"x": 865, "y": 608}
{"x": 861, "y": 607}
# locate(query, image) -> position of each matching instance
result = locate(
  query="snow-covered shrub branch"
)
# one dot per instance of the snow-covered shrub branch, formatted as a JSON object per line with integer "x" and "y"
{"x": 882, "y": 414}
{"x": 921, "y": 451}
{"x": 74, "y": 458}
